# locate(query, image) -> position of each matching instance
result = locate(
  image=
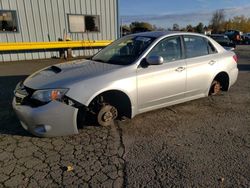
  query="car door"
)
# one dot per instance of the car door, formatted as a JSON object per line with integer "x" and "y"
{"x": 158, "y": 85}
{"x": 201, "y": 60}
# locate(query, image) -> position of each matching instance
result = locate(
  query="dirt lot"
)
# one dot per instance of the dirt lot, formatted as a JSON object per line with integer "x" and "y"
{"x": 202, "y": 143}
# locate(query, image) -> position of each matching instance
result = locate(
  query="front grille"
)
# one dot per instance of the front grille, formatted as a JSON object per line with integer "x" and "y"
{"x": 19, "y": 100}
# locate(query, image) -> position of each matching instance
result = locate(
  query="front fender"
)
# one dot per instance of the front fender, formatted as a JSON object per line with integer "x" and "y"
{"x": 86, "y": 91}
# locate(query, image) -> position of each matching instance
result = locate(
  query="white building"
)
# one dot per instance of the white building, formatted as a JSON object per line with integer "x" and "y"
{"x": 50, "y": 20}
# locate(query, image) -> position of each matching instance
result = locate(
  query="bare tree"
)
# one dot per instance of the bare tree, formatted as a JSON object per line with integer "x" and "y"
{"x": 189, "y": 28}
{"x": 217, "y": 21}
{"x": 176, "y": 27}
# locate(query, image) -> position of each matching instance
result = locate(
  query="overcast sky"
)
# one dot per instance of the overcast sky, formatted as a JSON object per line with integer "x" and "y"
{"x": 165, "y": 13}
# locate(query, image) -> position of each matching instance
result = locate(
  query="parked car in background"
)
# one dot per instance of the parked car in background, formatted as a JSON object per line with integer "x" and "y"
{"x": 224, "y": 41}
{"x": 235, "y": 36}
{"x": 246, "y": 38}
{"x": 135, "y": 74}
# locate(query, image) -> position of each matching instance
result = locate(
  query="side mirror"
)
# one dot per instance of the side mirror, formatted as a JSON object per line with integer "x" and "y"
{"x": 155, "y": 60}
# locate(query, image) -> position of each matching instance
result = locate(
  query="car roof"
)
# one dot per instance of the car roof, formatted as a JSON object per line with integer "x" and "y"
{"x": 232, "y": 30}
{"x": 218, "y": 35}
{"x": 155, "y": 34}
{"x": 158, "y": 34}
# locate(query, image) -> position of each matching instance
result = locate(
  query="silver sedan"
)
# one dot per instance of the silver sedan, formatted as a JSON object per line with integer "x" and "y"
{"x": 135, "y": 74}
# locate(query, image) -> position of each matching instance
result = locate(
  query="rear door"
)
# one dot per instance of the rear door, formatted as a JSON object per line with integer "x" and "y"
{"x": 201, "y": 60}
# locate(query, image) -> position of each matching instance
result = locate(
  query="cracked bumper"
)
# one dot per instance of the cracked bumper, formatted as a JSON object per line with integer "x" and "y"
{"x": 52, "y": 119}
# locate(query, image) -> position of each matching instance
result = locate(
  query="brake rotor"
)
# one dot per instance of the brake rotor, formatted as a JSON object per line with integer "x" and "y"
{"x": 216, "y": 88}
{"x": 107, "y": 115}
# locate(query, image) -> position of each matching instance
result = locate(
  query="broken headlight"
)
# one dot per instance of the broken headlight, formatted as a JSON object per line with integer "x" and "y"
{"x": 48, "y": 95}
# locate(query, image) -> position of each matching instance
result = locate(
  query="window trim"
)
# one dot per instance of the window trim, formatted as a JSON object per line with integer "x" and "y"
{"x": 169, "y": 38}
{"x": 84, "y": 15}
{"x": 208, "y": 41}
{"x": 17, "y": 23}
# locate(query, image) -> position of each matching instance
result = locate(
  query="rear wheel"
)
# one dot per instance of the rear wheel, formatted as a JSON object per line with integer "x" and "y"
{"x": 215, "y": 88}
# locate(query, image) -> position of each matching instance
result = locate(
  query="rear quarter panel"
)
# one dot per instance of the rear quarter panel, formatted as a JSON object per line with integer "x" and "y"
{"x": 225, "y": 63}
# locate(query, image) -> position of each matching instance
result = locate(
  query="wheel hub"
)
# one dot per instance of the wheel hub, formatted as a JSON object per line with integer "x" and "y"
{"x": 217, "y": 88}
{"x": 106, "y": 115}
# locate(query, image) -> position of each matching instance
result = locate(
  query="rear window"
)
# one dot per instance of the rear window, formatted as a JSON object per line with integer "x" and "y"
{"x": 198, "y": 46}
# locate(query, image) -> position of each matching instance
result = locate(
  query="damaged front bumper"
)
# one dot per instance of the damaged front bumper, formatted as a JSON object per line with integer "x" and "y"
{"x": 49, "y": 120}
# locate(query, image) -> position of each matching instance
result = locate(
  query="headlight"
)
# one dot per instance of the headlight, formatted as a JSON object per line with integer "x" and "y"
{"x": 19, "y": 86}
{"x": 49, "y": 94}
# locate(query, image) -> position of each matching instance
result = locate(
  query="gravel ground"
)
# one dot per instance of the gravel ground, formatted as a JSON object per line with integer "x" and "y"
{"x": 202, "y": 143}
{"x": 93, "y": 158}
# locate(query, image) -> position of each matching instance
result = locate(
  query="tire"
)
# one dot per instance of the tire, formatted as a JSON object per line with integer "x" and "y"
{"x": 215, "y": 88}
{"x": 106, "y": 115}
{"x": 81, "y": 117}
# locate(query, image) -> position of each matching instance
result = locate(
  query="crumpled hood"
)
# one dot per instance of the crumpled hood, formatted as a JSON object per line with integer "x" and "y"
{"x": 64, "y": 74}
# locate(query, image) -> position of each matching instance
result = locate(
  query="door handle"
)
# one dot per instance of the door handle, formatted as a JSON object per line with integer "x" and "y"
{"x": 212, "y": 62}
{"x": 180, "y": 69}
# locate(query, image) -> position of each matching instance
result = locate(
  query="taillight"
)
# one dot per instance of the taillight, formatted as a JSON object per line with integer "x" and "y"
{"x": 235, "y": 58}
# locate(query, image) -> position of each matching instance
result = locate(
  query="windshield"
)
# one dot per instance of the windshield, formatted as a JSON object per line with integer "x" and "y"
{"x": 124, "y": 51}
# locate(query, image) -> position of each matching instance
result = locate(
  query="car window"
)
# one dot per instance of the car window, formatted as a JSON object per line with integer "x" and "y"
{"x": 124, "y": 51}
{"x": 195, "y": 46}
{"x": 169, "y": 49}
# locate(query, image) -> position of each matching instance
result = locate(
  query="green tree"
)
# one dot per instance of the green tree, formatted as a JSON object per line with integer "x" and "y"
{"x": 157, "y": 28}
{"x": 199, "y": 28}
{"x": 241, "y": 23}
{"x": 140, "y": 27}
